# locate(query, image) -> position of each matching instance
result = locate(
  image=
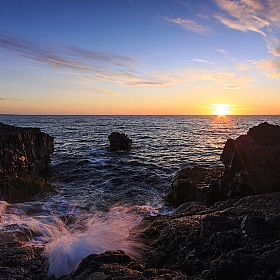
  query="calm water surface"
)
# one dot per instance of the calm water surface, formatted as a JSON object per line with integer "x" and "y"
{"x": 101, "y": 194}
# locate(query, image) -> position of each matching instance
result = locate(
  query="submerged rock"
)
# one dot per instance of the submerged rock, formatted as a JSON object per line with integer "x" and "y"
{"x": 24, "y": 157}
{"x": 119, "y": 141}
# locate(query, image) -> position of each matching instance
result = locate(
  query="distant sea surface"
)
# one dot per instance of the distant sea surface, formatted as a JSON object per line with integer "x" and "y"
{"x": 100, "y": 195}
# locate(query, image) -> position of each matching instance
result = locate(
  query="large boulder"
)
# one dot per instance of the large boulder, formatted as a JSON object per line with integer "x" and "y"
{"x": 192, "y": 184}
{"x": 252, "y": 162}
{"x": 252, "y": 166}
{"x": 24, "y": 157}
{"x": 119, "y": 141}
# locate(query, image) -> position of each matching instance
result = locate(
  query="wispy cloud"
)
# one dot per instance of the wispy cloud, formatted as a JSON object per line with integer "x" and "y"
{"x": 271, "y": 67}
{"x": 276, "y": 51}
{"x": 86, "y": 66}
{"x": 231, "y": 86}
{"x": 227, "y": 79}
{"x": 221, "y": 51}
{"x": 148, "y": 83}
{"x": 7, "y": 98}
{"x": 190, "y": 25}
{"x": 245, "y": 15}
{"x": 201, "y": 61}
{"x": 100, "y": 65}
{"x": 261, "y": 16}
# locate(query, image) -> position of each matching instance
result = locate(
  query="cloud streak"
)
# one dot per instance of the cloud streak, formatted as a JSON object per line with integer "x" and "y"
{"x": 258, "y": 16}
{"x": 7, "y": 99}
{"x": 148, "y": 83}
{"x": 250, "y": 15}
{"x": 190, "y": 25}
{"x": 86, "y": 66}
{"x": 271, "y": 67}
{"x": 247, "y": 15}
{"x": 100, "y": 65}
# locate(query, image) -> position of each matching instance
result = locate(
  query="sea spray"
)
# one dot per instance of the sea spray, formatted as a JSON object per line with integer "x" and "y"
{"x": 93, "y": 234}
{"x": 67, "y": 239}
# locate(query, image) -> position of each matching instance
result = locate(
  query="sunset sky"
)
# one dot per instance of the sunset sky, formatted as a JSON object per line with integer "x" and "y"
{"x": 139, "y": 56}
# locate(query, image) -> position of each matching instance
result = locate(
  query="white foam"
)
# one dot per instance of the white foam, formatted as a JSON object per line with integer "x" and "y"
{"x": 88, "y": 233}
{"x": 91, "y": 235}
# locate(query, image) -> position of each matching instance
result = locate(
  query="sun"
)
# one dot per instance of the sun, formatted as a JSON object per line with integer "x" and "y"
{"x": 222, "y": 109}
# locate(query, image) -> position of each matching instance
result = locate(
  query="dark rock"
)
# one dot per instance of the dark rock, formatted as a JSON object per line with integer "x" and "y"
{"x": 252, "y": 166}
{"x": 20, "y": 262}
{"x": 119, "y": 141}
{"x": 187, "y": 206}
{"x": 117, "y": 265}
{"x": 192, "y": 183}
{"x": 182, "y": 190}
{"x": 252, "y": 162}
{"x": 24, "y": 157}
{"x": 234, "y": 239}
{"x": 255, "y": 226}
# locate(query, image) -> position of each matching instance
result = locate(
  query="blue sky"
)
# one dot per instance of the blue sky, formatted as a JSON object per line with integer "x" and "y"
{"x": 139, "y": 56}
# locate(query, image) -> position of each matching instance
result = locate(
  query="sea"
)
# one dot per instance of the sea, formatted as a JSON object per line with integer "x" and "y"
{"x": 101, "y": 195}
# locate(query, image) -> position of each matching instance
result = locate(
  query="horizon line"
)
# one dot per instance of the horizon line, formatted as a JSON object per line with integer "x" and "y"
{"x": 210, "y": 115}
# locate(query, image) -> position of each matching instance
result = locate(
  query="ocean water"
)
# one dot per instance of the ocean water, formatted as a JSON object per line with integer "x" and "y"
{"x": 100, "y": 195}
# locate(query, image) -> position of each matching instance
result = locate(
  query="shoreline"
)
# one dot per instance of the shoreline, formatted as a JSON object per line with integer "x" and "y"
{"x": 237, "y": 235}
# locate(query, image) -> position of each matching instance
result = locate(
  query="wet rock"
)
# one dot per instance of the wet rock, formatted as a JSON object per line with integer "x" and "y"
{"x": 117, "y": 265}
{"x": 24, "y": 157}
{"x": 255, "y": 226}
{"x": 20, "y": 262}
{"x": 119, "y": 141}
{"x": 233, "y": 239}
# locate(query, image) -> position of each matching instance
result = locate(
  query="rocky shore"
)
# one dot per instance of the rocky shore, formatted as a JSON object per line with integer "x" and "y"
{"x": 234, "y": 239}
{"x": 24, "y": 158}
{"x": 227, "y": 224}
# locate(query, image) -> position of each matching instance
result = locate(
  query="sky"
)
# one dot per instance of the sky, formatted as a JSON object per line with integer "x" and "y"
{"x": 130, "y": 57}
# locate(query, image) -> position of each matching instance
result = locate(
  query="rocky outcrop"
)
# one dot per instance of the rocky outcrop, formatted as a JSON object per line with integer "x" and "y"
{"x": 119, "y": 141}
{"x": 252, "y": 162}
{"x": 24, "y": 157}
{"x": 192, "y": 184}
{"x": 234, "y": 239}
{"x": 252, "y": 166}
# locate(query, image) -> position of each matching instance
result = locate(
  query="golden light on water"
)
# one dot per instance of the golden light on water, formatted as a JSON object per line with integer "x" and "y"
{"x": 222, "y": 109}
